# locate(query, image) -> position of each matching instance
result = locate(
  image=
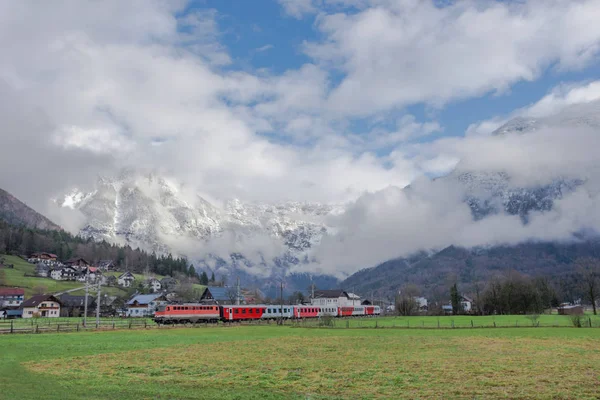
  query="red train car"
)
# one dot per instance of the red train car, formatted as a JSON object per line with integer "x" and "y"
{"x": 186, "y": 313}
{"x": 345, "y": 311}
{"x": 369, "y": 310}
{"x": 242, "y": 313}
{"x": 307, "y": 311}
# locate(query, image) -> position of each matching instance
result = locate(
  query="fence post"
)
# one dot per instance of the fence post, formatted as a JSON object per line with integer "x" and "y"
{"x": 57, "y": 327}
{"x": 453, "y": 323}
{"x": 471, "y": 323}
{"x": 113, "y": 325}
{"x": 438, "y": 323}
{"x": 590, "y": 321}
{"x": 145, "y": 322}
{"x": 375, "y": 324}
{"x": 129, "y": 324}
{"x": 494, "y": 324}
{"x": 12, "y": 328}
{"x": 77, "y": 327}
{"x": 37, "y": 328}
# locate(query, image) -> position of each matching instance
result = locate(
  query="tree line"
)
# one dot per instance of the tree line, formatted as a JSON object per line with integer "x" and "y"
{"x": 18, "y": 240}
{"x": 513, "y": 293}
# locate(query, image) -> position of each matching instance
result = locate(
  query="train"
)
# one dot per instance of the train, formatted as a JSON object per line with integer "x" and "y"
{"x": 209, "y": 313}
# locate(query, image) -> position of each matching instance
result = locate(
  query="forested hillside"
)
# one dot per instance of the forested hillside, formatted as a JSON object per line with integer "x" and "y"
{"x": 18, "y": 240}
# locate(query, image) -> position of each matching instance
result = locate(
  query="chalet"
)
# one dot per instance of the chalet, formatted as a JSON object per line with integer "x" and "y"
{"x": 421, "y": 303}
{"x": 126, "y": 279}
{"x": 107, "y": 265}
{"x": 44, "y": 305}
{"x": 466, "y": 303}
{"x": 11, "y": 297}
{"x": 168, "y": 283}
{"x": 335, "y": 298}
{"x": 153, "y": 284}
{"x": 144, "y": 305}
{"x": 220, "y": 295}
{"x": 42, "y": 270}
{"x": 77, "y": 263}
{"x": 111, "y": 280}
{"x": 91, "y": 274}
{"x": 42, "y": 257}
{"x": 63, "y": 274}
{"x": 74, "y": 306}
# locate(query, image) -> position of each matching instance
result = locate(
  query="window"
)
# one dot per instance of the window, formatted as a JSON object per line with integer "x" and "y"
{"x": 244, "y": 311}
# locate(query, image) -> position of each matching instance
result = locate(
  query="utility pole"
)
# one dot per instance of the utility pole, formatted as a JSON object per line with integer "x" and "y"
{"x": 237, "y": 296}
{"x": 312, "y": 287}
{"x": 281, "y": 301}
{"x": 85, "y": 305}
{"x": 98, "y": 306}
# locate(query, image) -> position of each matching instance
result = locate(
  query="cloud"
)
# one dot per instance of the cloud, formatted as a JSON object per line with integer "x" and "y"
{"x": 87, "y": 88}
{"x": 397, "y": 53}
{"x": 432, "y": 214}
{"x": 264, "y": 48}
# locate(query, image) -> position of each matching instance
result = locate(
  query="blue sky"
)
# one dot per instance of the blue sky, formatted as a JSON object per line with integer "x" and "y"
{"x": 261, "y": 35}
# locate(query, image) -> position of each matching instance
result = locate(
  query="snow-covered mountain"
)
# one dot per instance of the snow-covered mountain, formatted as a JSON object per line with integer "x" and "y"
{"x": 158, "y": 214}
{"x": 263, "y": 241}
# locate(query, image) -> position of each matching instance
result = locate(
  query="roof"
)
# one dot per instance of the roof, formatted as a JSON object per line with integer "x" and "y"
{"x": 12, "y": 292}
{"x": 74, "y": 260}
{"x": 334, "y": 293}
{"x": 144, "y": 298}
{"x": 75, "y": 301}
{"x": 36, "y": 300}
{"x": 13, "y": 313}
{"x": 125, "y": 274}
{"x": 217, "y": 293}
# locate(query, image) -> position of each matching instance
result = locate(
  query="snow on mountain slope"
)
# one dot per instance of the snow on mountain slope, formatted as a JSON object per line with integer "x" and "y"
{"x": 157, "y": 214}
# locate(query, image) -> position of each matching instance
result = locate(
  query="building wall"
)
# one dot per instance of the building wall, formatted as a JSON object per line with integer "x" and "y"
{"x": 11, "y": 300}
{"x": 29, "y": 312}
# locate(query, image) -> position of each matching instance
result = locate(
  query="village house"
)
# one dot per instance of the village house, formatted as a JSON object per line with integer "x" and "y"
{"x": 153, "y": 284}
{"x": 63, "y": 274}
{"x": 107, "y": 265}
{"x": 44, "y": 305}
{"x": 126, "y": 279}
{"x": 220, "y": 295}
{"x": 74, "y": 306}
{"x": 168, "y": 283}
{"x": 77, "y": 263}
{"x": 42, "y": 270}
{"x": 91, "y": 274}
{"x": 11, "y": 297}
{"x": 143, "y": 305}
{"x": 42, "y": 257}
{"x": 111, "y": 280}
{"x": 421, "y": 303}
{"x": 335, "y": 298}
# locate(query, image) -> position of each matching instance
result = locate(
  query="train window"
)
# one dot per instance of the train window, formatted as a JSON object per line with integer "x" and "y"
{"x": 244, "y": 311}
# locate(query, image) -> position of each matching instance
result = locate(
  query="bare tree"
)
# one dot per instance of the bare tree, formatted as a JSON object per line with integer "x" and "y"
{"x": 231, "y": 294}
{"x": 589, "y": 272}
{"x": 406, "y": 304}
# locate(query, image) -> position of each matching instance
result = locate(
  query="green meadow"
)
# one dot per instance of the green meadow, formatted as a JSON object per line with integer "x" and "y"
{"x": 274, "y": 362}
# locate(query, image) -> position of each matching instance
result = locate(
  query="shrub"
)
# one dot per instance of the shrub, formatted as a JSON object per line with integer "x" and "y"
{"x": 576, "y": 320}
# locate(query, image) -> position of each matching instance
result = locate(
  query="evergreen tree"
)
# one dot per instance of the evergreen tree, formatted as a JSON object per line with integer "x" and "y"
{"x": 212, "y": 277}
{"x": 455, "y": 299}
{"x": 204, "y": 278}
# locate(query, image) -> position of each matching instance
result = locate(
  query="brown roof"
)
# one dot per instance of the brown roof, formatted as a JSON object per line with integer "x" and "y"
{"x": 36, "y": 300}
{"x": 12, "y": 292}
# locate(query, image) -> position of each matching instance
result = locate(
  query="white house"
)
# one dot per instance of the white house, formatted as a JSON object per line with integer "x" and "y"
{"x": 335, "y": 298}
{"x": 421, "y": 303}
{"x": 466, "y": 303}
{"x": 144, "y": 305}
{"x": 44, "y": 305}
{"x": 63, "y": 274}
{"x": 153, "y": 284}
{"x": 126, "y": 279}
{"x": 11, "y": 297}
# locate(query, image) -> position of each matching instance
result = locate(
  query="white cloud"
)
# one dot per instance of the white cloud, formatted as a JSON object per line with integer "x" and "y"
{"x": 398, "y": 53}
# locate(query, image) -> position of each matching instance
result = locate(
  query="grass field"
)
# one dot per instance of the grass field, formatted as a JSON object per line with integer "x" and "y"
{"x": 271, "y": 362}
{"x": 16, "y": 277}
{"x": 462, "y": 321}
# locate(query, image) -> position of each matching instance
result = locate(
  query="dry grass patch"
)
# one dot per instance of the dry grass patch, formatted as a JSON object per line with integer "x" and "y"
{"x": 359, "y": 367}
